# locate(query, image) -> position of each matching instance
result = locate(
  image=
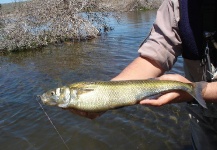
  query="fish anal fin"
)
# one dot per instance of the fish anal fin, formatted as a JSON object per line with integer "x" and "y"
{"x": 155, "y": 96}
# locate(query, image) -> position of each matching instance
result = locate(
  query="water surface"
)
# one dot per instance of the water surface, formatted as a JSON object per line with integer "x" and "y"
{"x": 24, "y": 75}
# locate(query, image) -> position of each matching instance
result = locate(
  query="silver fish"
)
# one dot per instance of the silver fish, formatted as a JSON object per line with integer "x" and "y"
{"x": 104, "y": 95}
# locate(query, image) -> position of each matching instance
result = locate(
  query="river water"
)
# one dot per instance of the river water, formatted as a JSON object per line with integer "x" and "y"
{"x": 24, "y": 75}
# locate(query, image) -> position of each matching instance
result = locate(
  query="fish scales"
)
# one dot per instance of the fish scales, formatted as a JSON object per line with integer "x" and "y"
{"x": 105, "y": 95}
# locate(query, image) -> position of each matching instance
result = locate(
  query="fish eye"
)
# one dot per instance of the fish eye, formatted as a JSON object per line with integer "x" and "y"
{"x": 52, "y": 93}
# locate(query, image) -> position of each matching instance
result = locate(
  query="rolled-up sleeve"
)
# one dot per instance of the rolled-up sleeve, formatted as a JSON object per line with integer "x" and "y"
{"x": 164, "y": 44}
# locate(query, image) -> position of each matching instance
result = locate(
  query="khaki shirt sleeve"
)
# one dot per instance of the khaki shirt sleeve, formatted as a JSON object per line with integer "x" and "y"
{"x": 164, "y": 44}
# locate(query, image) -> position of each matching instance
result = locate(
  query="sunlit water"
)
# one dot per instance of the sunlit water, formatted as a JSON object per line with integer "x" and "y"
{"x": 24, "y": 75}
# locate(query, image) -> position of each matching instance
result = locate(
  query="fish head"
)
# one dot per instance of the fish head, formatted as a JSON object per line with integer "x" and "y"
{"x": 57, "y": 97}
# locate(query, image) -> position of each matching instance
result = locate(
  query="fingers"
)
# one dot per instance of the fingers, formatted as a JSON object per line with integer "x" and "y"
{"x": 171, "y": 97}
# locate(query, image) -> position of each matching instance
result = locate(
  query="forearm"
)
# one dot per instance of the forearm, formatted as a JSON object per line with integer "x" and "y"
{"x": 140, "y": 68}
{"x": 210, "y": 92}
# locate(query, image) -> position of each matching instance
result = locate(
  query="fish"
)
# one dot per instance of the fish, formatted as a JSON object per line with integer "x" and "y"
{"x": 100, "y": 96}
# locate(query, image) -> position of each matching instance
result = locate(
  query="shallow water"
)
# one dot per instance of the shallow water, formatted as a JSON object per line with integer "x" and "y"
{"x": 24, "y": 75}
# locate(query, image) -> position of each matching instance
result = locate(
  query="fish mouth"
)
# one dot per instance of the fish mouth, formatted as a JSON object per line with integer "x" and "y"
{"x": 46, "y": 101}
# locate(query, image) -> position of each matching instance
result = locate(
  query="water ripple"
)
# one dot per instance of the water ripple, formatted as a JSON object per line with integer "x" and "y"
{"x": 24, "y": 75}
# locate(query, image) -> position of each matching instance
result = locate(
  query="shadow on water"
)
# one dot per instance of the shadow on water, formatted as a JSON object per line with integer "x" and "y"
{"x": 23, "y": 75}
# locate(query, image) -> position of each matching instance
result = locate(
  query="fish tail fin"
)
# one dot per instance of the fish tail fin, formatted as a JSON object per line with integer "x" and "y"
{"x": 197, "y": 93}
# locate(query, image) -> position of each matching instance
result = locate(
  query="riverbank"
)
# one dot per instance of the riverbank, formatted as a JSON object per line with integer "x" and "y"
{"x": 126, "y": 5}
{"x": 37, "y": 23}
{"x": 131, "y": 5}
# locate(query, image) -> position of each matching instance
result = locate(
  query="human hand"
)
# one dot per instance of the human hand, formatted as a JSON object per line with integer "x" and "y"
{"x": 90, "y": 115}
{"x": 171, "y": 97}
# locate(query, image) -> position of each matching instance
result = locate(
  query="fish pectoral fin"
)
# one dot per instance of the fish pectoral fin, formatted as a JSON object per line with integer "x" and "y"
{"x": 63, "y": 105}
{"x": 83, "y": 87}
{"x": 84, "y": 90}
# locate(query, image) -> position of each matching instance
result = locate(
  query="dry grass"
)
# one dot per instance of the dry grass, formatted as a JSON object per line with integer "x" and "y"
{"x": 37, "y": 22}
{"x": 131, "y": 5}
